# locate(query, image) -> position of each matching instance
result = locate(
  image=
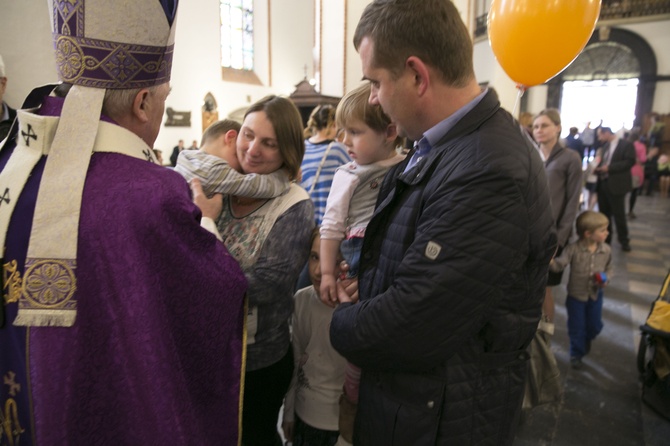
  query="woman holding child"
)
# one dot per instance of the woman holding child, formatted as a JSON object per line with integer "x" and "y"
{"x": 270, "y": 239}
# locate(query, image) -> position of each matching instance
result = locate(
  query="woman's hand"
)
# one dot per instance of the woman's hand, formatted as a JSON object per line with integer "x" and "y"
{"x": 210, "y": 207}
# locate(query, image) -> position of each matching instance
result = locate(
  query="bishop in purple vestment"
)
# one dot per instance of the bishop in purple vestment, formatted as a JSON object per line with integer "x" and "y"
{"x": 127, "y": 329}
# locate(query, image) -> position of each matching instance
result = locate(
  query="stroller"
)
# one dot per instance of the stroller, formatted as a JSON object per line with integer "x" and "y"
{"x": 653, "y": 357}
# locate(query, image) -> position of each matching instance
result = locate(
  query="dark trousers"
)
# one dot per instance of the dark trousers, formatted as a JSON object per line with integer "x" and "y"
{"x": 264, "y": 392}
{"x": 306, "y": 435}
{"x": 584, "y": 323}
{"x": 650, "y": 182}
{"x": 633, "y": 198}
{"x": 614, "y": 207}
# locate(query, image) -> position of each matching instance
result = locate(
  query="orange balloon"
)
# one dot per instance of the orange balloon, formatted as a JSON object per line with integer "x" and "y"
{"x": 535, "y": 40}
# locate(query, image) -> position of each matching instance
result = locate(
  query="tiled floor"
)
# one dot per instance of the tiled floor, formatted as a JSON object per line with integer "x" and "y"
{"x": 601, "y": 403}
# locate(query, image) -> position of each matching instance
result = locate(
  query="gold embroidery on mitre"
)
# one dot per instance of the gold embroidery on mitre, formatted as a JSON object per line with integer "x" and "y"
{"x": 69, "y": 58}
{"x": 47, "y": 294}
{"x": 11, "y": 277}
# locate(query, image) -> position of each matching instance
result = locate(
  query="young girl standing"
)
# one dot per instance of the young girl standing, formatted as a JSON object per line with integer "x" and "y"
{"x": 371, "y": 140}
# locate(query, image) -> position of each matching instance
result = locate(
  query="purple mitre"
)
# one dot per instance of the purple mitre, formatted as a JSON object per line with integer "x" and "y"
{"x": 100, "y": 45}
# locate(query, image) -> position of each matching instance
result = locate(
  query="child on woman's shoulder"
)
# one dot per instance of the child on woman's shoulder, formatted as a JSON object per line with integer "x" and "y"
{"x": 311, "y": 406}
{"x": 217, "y": 167}
{"x": 590, "y": 260}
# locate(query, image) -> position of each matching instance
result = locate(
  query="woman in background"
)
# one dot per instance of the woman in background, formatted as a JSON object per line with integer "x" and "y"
{"x": 323, "y": 155}
{"x": 564, "y": 175}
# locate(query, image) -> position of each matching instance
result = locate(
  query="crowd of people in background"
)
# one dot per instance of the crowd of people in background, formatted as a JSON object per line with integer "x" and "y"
{"x": 646, "y": 170}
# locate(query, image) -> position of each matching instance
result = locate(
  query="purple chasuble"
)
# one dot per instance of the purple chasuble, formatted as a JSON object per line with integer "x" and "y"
{"x": 155, "y": 354}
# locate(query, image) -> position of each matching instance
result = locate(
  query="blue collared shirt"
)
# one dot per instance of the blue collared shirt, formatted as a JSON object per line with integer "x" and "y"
{"x": 433, "y": 135}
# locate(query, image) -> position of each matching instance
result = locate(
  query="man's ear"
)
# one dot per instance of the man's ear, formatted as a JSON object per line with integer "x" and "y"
{"x": 420, "y": 72}
{"x": 141, "y": 105}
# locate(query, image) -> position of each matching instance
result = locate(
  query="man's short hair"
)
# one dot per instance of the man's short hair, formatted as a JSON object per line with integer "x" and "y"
{"x": 590, "y": 221}
{"x": 431, "y": 30}
{"x": 219, "y": 128}
{"x": 606, "y": 130}
{"x": 120, "y": 102}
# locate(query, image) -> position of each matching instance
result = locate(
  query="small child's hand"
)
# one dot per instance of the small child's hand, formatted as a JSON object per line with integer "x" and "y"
{"x": 328, "y": 290}
{"x": 344, "y": 269}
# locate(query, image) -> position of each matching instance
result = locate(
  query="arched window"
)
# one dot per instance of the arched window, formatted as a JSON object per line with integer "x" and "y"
{"x": 238, "y": 41}
{"x": 612, "y": 53}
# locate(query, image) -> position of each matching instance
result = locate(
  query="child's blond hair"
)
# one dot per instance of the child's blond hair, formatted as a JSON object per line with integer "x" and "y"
{"x": 590, "y": 221}
{"x": 354, "y": 106}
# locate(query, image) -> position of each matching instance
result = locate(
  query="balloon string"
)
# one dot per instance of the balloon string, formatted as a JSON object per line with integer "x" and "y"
{"x": 521, "y": 89}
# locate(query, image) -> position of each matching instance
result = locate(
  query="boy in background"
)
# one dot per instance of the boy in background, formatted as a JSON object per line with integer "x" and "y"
{"x": 215, "y": 164}
{"x": 590, "y": 261}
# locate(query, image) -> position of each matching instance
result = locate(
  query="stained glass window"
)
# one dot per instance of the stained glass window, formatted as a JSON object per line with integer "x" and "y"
{"x": 237, "y": 34}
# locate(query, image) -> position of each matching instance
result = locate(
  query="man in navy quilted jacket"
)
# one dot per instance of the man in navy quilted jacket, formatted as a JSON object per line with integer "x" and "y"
{"x": 454, "y": 262}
